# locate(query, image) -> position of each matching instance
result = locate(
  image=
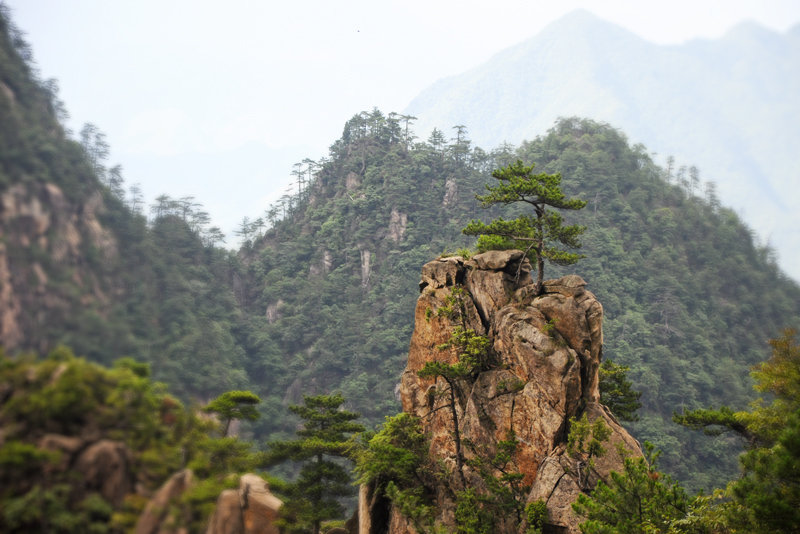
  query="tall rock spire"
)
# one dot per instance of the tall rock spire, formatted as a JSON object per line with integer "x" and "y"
{"x": 545, "y": 352}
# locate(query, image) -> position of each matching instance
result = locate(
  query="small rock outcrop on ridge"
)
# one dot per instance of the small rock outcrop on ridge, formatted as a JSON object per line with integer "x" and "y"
{"x": 546, "y": 351}
{"x": 252, "y": 509}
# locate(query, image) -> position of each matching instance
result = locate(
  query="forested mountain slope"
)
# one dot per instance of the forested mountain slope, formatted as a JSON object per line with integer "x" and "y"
{"x": 321, "y": 296}
{"x": 52, "y": 246}
{"x": 729, "y": 106}
{"x": 690, "y": 299}
{"x": 329, "y": 291}
{"x": 79, "y": 262}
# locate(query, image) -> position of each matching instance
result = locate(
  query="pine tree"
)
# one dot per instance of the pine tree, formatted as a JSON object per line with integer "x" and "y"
{"x": 323, "y": 480}
{"x": 768, "y": 491}
{"x": 537, "y": 235}
{"x": 234, "y": 405}
{"x": 639, "y": 499}
{"x": 617, "y": 392}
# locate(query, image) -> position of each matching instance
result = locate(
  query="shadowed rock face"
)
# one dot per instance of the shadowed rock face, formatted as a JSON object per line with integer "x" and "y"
{"x": 105, "y": 466}
{"x": 546, "y": 351}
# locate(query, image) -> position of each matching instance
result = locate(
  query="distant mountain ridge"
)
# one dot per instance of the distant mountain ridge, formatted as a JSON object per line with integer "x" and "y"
{"x": 729, "y": 106}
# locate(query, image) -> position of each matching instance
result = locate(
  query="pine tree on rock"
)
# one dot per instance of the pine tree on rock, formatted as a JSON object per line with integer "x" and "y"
{"x": 232, "y": 405}
{"x": 538, "y": 235}
{"x": 639, "y": 499}
{"x": 471, "y": 350}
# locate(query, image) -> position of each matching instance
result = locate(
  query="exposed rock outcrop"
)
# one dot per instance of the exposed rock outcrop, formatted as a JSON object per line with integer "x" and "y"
{"x": 105, "y": 466}
{"x": 40, "y": 217}
{"x": 450, "y": 192}
{"x": 397, "y": 225}
{"x": 546, "y": 350}
{"x": 366, "y": 266}
{"x": 152, "y": 520}
{"x": 227, "y": 518}
{"x": 252, "y": 509}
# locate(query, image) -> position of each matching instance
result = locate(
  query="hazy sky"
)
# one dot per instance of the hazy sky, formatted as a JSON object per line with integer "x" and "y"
{"x": 217, "y": 99}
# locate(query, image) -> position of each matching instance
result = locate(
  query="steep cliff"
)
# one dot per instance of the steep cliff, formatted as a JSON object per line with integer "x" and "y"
{"x": 50, "y": 250}
{"x": 544, "y": 356}
{"x": 53, "y": 242}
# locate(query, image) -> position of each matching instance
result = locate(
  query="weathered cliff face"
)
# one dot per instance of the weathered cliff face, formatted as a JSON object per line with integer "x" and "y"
{"x": 44, "y": 242}
{"x": 545, "y": 350}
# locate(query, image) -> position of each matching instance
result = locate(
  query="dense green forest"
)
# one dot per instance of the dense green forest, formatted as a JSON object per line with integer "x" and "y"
{"x": 690, "y": 298}
{"x": 83, "y": 444}
{"x": 320, "y": 296}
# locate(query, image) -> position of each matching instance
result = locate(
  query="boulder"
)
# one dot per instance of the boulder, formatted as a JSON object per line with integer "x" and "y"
{"x": 106, "y": 466}
{"x": 152, "y": 519}
{"x": 252, "y": 509}
{"x": 259, "y": 506}
{"x": 442, "y": 273}
{"x": 227, "y": 517}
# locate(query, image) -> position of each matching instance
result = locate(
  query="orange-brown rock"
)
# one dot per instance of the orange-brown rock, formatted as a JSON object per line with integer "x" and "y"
{"x": 546, "y": 350}
{"x": 259, "y": 506}
{"x": 252, "y": 509}
{"x": 227, "y": 518}
{"x": 153, "y": 519}
{"x": 558, "y": 483}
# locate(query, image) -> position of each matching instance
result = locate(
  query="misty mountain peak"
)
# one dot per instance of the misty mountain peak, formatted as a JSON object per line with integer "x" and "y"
{"x": 748, "y": 28}
{"x": 727, "y": 105}
{"x": 580, "y": 20}
{"x": 751, "y": 35}
{"x": 581, "y": 28}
